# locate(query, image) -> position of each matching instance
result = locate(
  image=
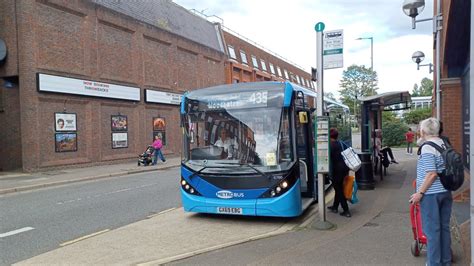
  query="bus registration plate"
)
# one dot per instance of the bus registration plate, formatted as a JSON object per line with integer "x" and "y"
{"x": 229, "y": 210}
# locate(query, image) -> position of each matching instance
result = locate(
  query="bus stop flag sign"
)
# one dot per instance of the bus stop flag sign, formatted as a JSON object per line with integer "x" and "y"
{"x": 319, "y": 27}
{"x": 332, "y": 49}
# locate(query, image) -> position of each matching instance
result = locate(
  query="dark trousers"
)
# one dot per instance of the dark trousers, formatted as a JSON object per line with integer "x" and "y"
{"x": 339, "y": 197}
{"x": 388, "y": 151}
{"x": 409, "y": 147}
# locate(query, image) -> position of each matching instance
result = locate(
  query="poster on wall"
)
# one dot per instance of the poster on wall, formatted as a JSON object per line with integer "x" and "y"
{"x": 160, "y": 134}
{"x": 119, "y": 140}
{"x": 119, "y": 123}
{"x": 65, "y": 142}
{"x": 65, "y": 122}
{"x": 159, "y": 123}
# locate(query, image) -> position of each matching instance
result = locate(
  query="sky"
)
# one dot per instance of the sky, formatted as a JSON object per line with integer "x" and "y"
{"x": 287, "y": 29}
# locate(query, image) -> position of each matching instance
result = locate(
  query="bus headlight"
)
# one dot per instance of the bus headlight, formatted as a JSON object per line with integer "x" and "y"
{"x": 187, "y": 187}
{"x": 283, "y": 184}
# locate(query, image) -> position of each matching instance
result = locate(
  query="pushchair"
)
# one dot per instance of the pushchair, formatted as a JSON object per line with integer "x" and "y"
{"x": 146, "y": 157}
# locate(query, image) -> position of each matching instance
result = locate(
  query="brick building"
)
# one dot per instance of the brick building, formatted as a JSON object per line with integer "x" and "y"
{"x": 248, "y": 62}
{"x": 91, "y": 82}
{"x": 134, "y": 60}
{"x": 454, "y": 83}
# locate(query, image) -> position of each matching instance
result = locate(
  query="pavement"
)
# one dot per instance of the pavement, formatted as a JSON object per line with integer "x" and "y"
{"x": 379, "y": 232}
{"x": 16, "y": 181}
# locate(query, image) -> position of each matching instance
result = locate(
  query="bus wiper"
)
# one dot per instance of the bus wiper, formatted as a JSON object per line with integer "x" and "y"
{"x": 250, "y": 166}
{"x": 202, "y": 169}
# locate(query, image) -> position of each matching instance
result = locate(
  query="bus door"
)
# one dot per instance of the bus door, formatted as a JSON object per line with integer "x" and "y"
{"x": 304, "y": 146}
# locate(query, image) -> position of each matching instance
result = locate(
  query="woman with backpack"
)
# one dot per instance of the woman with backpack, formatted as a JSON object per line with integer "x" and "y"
{"x": 435, "y": 200}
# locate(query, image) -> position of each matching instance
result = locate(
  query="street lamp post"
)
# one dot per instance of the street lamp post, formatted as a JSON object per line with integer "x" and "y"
{"x": 418, "y": 57}
{"x": 371, "y": 68}
{"x": 413, "y": 8}
{"x": 371, "y": 50}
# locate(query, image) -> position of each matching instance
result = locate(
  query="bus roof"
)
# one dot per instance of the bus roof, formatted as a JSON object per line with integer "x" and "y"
{"x": 257, "y": 86}
{"x": 247, "y": 86}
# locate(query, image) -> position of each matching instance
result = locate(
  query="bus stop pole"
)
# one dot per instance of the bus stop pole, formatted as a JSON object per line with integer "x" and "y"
{"x": 322, "y": 224}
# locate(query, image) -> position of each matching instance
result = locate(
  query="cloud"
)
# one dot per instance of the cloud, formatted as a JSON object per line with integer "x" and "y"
{"x": 287, "y": 28}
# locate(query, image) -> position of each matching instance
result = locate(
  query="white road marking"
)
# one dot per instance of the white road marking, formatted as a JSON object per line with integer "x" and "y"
{"x": 83, "y": 237}
{"x": 17, "y": 231}
{"x": 106, "y": 194}
{"x": 161, "y": 212}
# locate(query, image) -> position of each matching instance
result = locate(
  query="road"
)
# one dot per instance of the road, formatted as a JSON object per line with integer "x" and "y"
{"x": 42, "y": 220}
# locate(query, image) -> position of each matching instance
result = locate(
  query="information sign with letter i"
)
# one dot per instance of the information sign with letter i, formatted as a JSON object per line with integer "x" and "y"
{"x": 322, "y": 144}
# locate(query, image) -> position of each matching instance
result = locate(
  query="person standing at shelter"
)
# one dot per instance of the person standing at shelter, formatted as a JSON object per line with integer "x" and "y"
{"x": 158, "y": 145}
{"x": 435, "y": 200}
{"x": 339, "y": 171}
{"x": 409, "y": 137}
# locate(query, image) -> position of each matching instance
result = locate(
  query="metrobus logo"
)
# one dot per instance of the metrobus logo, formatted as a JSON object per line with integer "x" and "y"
{"x": 225, "y": 194}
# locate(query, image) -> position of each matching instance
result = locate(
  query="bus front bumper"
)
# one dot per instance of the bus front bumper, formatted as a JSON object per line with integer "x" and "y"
{"x": 286, "y": 205}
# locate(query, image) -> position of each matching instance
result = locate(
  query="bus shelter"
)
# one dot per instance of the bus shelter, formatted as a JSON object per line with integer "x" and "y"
{"x": 371, "y": 114}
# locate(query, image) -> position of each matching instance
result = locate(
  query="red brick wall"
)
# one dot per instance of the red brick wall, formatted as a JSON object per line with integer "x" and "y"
{"x": 78, "y": 39}
{"x": 451, "y": 95}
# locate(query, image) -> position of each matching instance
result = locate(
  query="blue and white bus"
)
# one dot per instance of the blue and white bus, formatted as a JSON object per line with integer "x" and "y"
{"x": 248, "y": 149}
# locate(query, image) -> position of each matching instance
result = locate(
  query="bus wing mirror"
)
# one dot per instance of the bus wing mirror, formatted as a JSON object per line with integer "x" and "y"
{"x": 303, "y": 116}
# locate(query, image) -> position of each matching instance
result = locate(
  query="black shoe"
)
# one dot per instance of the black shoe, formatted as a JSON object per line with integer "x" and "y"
{"x": 331, "y": 208}
{"x": 346, "y": 213}
{"x": 393, "y": 161}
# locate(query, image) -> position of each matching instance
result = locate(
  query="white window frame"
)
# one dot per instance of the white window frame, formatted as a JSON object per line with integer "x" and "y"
{"x": 232, "y": 52}
{"x": 254, "y": 61}
{"x": 272, "y": 68}
{"x": 243, "y": 56}
{"x": 279, "y": 71}
{"x": 286, "y": 74}
{"x": 264, "y": 65}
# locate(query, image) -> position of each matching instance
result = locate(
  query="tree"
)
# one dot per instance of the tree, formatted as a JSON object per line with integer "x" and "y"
{"x": 393, "y": 129}
{"x": 417, "y": 115}
{"x": 330, "y": 95}
{"x": 426, "y": 88}
{"x": 357, "y": 82}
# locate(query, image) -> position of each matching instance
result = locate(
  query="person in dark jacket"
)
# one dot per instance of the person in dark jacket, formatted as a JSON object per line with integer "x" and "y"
{"x": 339, "y": 171}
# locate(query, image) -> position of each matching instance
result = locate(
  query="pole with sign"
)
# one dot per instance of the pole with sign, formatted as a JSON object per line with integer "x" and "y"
{"x": 322, "y": 142}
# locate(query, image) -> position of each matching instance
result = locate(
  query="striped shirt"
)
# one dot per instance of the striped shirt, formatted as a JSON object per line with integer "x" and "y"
{"x": 430, "y": 160}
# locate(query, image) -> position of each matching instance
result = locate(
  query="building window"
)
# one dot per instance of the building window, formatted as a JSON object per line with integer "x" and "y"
{"x": 272, "y": 69}
{"x": 264, "y": 66}
{"x": 279, "y": 71}
{"x": 286, "y": 74}
{"x": 298, "y": 79}
{"x": 254, "y": 61}
{"x": 243, "y": 55}
{"x": 232, "y": 52}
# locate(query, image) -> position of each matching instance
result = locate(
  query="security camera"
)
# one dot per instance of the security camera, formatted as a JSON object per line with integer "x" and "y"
{"x": 418, "y": 57}
{"x": 413, "y": 8}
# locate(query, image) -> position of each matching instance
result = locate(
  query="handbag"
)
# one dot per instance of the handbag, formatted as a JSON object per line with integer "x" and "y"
{"x": 348, "y": 186}
{"x": 351, "y": 159}
{"x": 350, "y": 189}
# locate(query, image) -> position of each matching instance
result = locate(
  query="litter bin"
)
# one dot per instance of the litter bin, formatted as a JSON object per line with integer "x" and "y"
{"x": 365, "y": 175}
